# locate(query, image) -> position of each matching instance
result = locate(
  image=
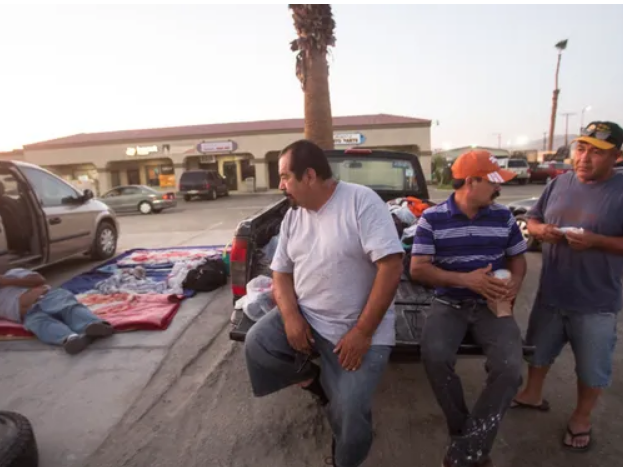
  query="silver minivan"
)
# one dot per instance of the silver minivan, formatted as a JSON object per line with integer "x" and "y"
{"x": 44, "y": 219}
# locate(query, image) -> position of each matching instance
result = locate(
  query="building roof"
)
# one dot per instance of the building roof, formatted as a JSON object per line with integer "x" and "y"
{"x": 224, "y": 129}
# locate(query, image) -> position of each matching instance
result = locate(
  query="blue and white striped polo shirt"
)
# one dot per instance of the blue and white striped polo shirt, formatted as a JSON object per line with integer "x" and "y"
{"x": 458, "y": 243}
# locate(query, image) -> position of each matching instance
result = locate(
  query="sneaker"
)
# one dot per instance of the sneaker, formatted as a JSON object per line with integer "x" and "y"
{"x": 99, "y": 329}
{"x": 76, "y": 343}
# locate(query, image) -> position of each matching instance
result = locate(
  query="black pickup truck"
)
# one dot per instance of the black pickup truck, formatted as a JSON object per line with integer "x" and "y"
{"x": 391, "y": 175}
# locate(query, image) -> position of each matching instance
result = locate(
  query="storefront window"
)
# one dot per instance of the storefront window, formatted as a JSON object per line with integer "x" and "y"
{"x": 115, "y": 178}
{"x": 134, "y": 177}
{"x": 160, "y": 175}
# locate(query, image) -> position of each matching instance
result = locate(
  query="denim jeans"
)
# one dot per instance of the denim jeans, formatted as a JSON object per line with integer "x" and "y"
{"x": 592, "y": 337}
{"x": 274, "y": 365}
{"x": 57, "y": 315}
{"x": 472, "y": 434}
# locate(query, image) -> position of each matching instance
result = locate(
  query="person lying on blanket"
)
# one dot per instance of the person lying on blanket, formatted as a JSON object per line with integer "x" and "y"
{"x": 54, "y": 315}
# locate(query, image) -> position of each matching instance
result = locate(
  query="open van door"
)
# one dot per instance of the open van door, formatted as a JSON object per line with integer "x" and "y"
{"x": 4, "y": 250}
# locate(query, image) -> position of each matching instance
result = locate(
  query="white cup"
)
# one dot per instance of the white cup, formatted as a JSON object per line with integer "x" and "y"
{"x": 501, "y": 307}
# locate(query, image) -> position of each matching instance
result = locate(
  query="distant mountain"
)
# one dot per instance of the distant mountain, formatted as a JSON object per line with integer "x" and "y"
{"x": 559, "y": 140}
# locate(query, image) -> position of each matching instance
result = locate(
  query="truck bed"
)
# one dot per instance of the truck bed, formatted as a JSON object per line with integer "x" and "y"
{"x": 411, "y": 302}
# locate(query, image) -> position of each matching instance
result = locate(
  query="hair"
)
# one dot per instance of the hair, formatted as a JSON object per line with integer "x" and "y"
{"x": 306, "y": 155}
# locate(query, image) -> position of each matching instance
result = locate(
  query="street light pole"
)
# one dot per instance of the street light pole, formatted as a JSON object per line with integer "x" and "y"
{"x": 585, "y": 109}
{"x": 499, "y": 135}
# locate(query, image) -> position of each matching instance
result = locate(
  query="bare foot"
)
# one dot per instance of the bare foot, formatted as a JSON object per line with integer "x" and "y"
{"x": 578, "y": 435}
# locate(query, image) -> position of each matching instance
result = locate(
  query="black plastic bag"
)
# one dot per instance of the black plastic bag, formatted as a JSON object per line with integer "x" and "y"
{"x": 207, "y": 277}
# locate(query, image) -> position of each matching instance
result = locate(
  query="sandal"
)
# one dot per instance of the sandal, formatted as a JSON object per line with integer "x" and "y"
{"x": 573, "y": 435}
{"x": 542, "y": 407}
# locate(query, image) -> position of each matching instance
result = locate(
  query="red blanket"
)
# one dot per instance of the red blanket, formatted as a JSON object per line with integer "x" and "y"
{"x": 126, "y": 312}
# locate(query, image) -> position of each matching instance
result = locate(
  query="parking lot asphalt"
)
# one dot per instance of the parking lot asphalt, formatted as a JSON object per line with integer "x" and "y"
{"x": 182, "y": 397}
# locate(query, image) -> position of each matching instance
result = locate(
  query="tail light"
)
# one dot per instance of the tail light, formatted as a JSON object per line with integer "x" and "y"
{"x": 207, "y": 186}
{"x": 238, "y": 267}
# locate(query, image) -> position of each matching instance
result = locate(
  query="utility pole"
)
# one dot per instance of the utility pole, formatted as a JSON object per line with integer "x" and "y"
{"x": 544, "y": 140}
{"x": 567, "y": 115}
{"x": 562, "y": 45}
{"x": 499, "y": 135}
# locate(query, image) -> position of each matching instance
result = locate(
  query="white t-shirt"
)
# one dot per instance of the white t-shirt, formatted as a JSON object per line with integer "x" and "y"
{"x": 332, "y": 255}
{"x": 9, "y": 296}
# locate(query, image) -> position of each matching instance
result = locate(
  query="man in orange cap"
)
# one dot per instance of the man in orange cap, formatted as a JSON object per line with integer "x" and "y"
{"x": 457, "y": 245}
{"x": 578, "y": 219}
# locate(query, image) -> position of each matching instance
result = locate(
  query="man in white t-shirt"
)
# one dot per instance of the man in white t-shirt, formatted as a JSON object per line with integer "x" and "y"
{"x": 336, "y": 270}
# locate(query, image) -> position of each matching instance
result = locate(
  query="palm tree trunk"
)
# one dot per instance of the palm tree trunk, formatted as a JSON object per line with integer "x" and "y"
{"x": 318, "y": 119}
{"x": 552, "y": 121}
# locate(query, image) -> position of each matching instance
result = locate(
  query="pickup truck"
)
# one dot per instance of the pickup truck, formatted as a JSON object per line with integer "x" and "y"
{"x": 391, "y": 175}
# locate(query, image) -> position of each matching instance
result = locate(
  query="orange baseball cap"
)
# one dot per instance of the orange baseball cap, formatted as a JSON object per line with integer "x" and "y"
{"x": 480, "y": 163}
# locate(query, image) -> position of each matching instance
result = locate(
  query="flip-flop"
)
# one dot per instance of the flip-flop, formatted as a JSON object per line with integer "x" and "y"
{"x": 573, "y": 435}
{"x": 542, "y": 407}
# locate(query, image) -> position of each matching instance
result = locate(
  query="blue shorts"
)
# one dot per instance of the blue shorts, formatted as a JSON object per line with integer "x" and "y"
{"x": 592, "y": 337}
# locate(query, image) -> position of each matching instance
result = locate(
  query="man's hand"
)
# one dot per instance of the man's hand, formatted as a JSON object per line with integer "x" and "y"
{"x": 352, "y": 348}
{"x": 299, "y": 333}
{"x": 486, "y": 285}
{"x": 582, "y": 241}
{"x": 549, "y": 233}
{"x": 513, "y": 289}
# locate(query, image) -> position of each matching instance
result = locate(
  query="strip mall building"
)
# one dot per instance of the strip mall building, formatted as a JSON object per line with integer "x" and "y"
{"x": 239, "y": 151}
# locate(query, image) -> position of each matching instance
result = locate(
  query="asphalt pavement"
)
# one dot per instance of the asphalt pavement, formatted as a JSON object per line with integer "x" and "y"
{"x": 182, "y": 396}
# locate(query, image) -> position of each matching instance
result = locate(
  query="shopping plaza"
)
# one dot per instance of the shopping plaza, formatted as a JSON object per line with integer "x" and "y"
{"x": 246, "y": 154}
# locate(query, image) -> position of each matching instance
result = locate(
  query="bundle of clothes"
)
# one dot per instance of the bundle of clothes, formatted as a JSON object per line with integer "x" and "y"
{"x": 406, "y": 213}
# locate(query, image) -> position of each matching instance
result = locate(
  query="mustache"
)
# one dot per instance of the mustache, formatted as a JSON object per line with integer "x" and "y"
{"x": 290, "y": 199}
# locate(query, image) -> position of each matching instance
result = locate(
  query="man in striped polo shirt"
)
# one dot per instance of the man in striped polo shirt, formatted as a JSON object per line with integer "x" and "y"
{"x": 457, "y": 245}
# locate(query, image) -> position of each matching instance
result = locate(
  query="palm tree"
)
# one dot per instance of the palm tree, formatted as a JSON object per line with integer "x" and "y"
{"x": 315, "y": 27}
{"x": 562, "y": 45}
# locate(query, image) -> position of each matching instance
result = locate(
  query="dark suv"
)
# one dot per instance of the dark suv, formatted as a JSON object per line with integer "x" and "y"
{"x": 206, "y": 184}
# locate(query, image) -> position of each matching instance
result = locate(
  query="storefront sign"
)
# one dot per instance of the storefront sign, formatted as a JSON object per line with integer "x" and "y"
{"x": 140, "y": 151}
{"x": 348, "y": 139}
{"x": 216, "y": 146}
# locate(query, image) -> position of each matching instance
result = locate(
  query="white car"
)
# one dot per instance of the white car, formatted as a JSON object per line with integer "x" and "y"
{"x": 519, "y": 166}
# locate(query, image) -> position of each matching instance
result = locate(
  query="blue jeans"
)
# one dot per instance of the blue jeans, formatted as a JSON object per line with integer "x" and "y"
{"x": 56, "y": 316}
{"x": 274, "y": 365}
{"x": 592, "y": 337}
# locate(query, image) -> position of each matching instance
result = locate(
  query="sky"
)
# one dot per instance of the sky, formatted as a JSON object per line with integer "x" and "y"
{"x": 477, "y": 70}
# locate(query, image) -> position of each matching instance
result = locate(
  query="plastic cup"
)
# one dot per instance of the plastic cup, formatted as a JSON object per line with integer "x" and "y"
{"x": 502, "y": 307}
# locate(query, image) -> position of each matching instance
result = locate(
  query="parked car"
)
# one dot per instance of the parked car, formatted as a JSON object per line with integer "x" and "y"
{"x": 519, "y": 166}
{"x": 44, "y": 219}
{"x": 548, "y": 171}
{"x": 206, "y": 184}
{"x": 138, "y": 198}
{"x": 376, "y": 169}
{"x": 519, "y": 210}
